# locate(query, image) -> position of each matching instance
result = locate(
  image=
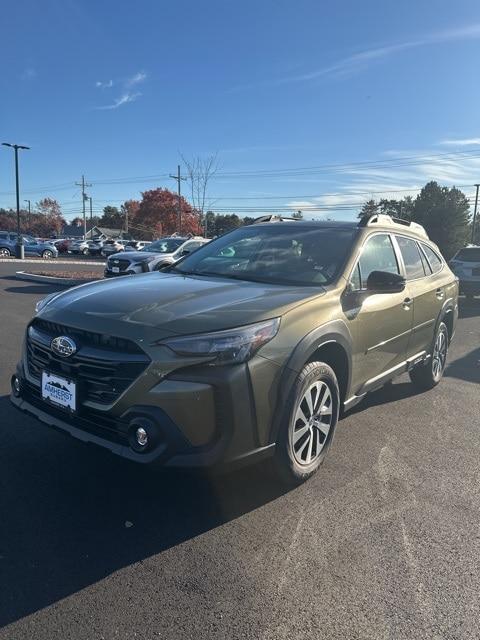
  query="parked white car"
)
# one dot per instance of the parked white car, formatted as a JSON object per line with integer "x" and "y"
{"x": 112, "y": 246}
{"x": 155, "y": 256}
{"x": 466, "y": 266}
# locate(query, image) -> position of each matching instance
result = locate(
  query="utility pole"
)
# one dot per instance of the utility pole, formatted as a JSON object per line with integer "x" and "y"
{"x": 29, "y": 206}
{"x": 91, "y": 216}
{"x": 19, "y": 250}
{"x": 84, "y": 184}
{"x": 475, "y": 214}
{"x": 179, "y": 179}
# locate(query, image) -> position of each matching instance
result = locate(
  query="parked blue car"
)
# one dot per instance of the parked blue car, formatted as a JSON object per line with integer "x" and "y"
{"x": 8, "y": 242}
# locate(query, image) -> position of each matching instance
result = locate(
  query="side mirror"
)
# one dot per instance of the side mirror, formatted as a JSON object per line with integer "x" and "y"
{"x": 385, "y": 282}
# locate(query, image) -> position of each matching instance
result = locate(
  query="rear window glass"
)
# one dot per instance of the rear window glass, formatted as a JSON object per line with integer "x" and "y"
{"x": 411, "y": 258}
{"x": 469, "y": 254}
{"x": 433, "y": 259}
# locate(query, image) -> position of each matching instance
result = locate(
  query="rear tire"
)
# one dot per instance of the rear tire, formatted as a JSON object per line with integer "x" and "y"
{"x": 5, "y": 253}
{"x": 85, "y": 252}
{"x": 426, "y": 376}
{"x": 307, "y": 424}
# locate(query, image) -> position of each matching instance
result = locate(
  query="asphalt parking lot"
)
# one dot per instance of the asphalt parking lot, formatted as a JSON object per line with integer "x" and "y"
{"x": 383, "y": 543}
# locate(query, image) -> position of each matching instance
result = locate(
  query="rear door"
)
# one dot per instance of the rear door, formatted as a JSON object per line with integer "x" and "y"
{"x": 426, "y": 291}
{"x": 382, "y": 321}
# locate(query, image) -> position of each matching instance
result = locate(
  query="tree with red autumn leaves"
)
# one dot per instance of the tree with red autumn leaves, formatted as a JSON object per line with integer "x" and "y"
{"x": 157, "y": 215}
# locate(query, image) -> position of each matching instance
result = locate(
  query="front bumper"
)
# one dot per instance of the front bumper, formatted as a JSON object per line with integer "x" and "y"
{"x": 202, "y": 417}
{"x": 131, "y": 270}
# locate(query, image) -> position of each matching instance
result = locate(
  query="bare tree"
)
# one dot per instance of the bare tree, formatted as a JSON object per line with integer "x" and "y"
{"x": 199, "y": 173}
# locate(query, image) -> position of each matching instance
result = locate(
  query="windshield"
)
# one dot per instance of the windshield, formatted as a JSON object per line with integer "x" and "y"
{"x": 164, "y": 246}
{"x": 303, "y": 254}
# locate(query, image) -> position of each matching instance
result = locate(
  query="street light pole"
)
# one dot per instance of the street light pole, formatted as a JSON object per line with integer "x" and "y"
{"x": 29, "y": 206}
{"x": 19, "y": 249}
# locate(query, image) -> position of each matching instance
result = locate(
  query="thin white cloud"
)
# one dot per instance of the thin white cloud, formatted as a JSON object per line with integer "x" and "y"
{"x": 104, "y": 85}
{"x": 139, "y": 77}
{"x": 28, "y": 73}
{"x": 118, "y": 102}
{"x": 361, "y": 60}
{"x": 354, "y": 186}
{"x": 462, "y": 142}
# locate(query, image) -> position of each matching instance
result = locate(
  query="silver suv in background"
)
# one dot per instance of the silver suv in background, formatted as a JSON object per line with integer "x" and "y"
{"x": 153, "y": 257}
{"x": 466, "y": 266}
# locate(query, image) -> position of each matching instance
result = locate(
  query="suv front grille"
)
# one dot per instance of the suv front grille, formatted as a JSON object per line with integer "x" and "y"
{"x": 122, "y": 264}
{"x": 103, "y": 367}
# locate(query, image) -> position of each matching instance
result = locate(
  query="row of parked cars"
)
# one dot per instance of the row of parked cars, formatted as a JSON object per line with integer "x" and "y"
{"x": 104, "y": 247}
{"x": 153, "y": 256}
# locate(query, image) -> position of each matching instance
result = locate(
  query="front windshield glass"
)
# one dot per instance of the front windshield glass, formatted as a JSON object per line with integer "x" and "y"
{"x": 303, "y": 254}
{"x": 164, "y": 246}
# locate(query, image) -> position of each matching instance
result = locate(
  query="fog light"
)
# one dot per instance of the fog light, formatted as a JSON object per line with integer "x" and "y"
{"x": 16, "y": 386}
{"x": 141, "y": 436}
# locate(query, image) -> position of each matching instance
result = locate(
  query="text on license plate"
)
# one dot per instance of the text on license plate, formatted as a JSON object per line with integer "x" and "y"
{"x": 59, "y": 391}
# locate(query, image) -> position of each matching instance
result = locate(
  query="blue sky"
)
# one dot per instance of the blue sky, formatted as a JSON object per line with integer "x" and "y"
{"x": 117, "y": 90}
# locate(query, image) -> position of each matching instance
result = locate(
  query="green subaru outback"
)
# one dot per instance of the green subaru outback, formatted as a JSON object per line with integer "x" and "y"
{"x": 249, "y": 348}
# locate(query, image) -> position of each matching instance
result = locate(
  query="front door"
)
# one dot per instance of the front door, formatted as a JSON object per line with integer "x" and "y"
{"x": 381, "y": 322}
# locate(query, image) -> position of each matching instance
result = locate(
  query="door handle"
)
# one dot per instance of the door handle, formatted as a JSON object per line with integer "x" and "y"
{"x": 439, "y": 293}
{"x": 407, "y": 303}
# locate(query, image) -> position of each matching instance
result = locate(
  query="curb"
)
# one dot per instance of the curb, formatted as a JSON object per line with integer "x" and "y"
{"x": 56, "y": 261}
{"x": 66, "y": 282}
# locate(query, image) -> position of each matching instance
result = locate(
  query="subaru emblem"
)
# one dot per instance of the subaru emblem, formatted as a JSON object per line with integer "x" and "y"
{"x": 63, "y": 346}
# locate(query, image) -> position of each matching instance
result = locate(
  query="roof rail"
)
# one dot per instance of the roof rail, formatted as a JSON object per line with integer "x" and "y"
{"x": 273, "y": 218}
{"x": 384, "y": 219}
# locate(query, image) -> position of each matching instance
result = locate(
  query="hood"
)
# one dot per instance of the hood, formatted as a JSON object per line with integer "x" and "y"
{"x": 161, "y": 304}
{"x": 135, "y": 255}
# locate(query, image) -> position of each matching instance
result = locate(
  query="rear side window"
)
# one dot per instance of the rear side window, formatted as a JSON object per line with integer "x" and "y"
{"x": 377, "y": 255}
{"x": 3, "y": 235}
{"x": 433, "y": 260}
{"x": 411, "y": 257}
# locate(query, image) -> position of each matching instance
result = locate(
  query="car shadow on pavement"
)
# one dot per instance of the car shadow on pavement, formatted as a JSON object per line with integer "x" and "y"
{"x": 391, "y": 392}
{"x": 465, "y": 368}
{"x": 39, "y": 289}
{"x": 72, "y": 514}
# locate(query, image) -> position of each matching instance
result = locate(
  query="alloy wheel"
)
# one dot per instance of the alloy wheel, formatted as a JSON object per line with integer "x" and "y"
{"x": 47, "y": 255}
{"x": 439, "y": 355}
{"x": 4, "y": 253}
{"x": 312, "y": 423}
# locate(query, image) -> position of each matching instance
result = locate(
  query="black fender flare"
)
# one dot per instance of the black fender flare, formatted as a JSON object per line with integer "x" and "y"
{"x": 331, "y": 332}
{"x": 448, "y": 307}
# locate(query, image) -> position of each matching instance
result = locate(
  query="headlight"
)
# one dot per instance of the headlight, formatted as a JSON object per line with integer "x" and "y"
{"x": 232, "y": 346}
{"x": 41, "y": 304}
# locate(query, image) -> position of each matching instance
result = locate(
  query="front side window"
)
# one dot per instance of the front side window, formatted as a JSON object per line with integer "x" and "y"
{"x": 411, "y": 257}
{"x": 378, "y": 254}
{"x": 304, "y": 254}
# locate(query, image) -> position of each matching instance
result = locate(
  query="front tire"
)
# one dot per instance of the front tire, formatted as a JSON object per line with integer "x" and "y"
{"x": 5, "y": 253}
{"x": 307, "y": 424}
{"x": 426, "y": 376}
{"x": 47, "y": 255}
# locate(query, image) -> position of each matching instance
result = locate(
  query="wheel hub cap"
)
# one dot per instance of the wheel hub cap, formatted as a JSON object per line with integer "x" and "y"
{"x": 312, "y": 423}
{"x": 439, "y": 355}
